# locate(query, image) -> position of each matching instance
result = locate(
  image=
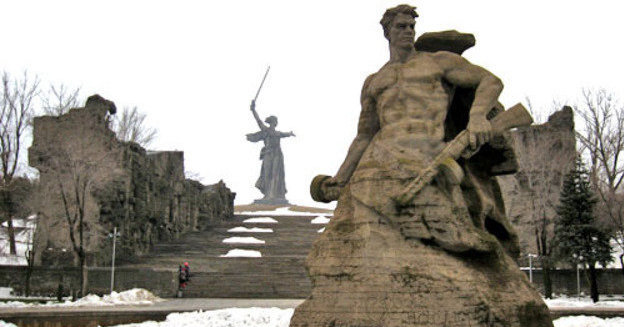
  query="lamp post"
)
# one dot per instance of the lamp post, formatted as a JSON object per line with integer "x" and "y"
{"x": 531, "y": 256}
{"x": 578, "y": 281}
{"x": 578, "y": 260}
{"x": 114, "y": 236}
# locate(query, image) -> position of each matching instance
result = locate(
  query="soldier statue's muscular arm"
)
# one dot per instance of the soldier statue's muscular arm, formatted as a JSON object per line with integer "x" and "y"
{"x": 458, "y": 71}
{"x": 368, "y": 125}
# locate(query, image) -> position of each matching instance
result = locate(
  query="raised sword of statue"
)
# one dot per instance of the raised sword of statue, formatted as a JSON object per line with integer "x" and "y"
{"x": 261, "y": 83}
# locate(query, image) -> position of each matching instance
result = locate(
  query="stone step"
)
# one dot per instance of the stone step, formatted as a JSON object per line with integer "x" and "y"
{"x": 278, "y": 273}
{"x": 247, "y": 284}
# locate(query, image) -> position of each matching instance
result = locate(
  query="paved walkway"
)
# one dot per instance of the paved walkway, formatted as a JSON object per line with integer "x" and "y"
{"x": 169, "y": 305}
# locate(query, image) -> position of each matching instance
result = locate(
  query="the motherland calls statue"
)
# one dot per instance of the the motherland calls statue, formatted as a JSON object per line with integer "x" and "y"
{"x": 419, "y": 236}
{"x": 272, "y": 182}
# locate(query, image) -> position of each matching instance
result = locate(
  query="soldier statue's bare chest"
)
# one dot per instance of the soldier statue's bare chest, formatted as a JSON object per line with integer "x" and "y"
{"x": 421, "y": 72}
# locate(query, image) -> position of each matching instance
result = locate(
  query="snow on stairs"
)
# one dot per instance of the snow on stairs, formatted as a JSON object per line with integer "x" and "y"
{"x": 279, "y": 273}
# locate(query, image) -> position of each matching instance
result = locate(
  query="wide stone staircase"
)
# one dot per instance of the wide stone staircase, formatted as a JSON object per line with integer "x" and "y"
{"x": 278, "y": 273}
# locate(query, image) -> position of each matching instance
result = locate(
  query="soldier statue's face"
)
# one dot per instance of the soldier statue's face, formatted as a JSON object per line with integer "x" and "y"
{"x": 402, "y": 31}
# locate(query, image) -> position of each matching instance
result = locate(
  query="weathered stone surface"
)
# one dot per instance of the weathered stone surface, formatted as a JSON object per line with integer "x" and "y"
{"x": 545, "y": 153}
{"x": 452, "y": 41}
{"x": 45, "y": 280}
{"x": 146, "y": 195}
{"x": 365, "y": 273}
{"x": 437, "y": 255}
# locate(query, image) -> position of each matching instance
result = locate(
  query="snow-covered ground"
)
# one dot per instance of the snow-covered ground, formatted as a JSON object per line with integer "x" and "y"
{"x": 234, "y": 317}
{"x": 5, "y": 292}
{"x": 320, "y": 220}
{"x": 588, "y": 321}
{"x": 285, "y": 211}
{"x": 29, "y": 222}
{"x": 240, "y": 253}
{"x": 242, "y": 229}
{"x": 617, "y": 251}
{"x": 243, "y": 240}
{"x": 24, "y": 232}
{"x": 584, "y": 301}
{"x": 261, "y": 220}
{"x": 135, "y": 296}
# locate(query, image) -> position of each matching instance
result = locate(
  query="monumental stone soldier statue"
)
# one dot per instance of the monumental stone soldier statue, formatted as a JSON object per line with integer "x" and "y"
{"x": 419, "y": 236}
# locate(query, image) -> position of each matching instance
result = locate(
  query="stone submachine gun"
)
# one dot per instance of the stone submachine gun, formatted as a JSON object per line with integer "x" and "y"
{"x": 516, "y": 116}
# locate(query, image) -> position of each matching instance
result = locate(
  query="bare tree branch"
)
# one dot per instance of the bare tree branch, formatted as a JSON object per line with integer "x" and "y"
{"x": 16, "y": 110}
{"x": 130, "y": 127}
{"x": 602, "y": 143}
{"x": 59, "y": 99}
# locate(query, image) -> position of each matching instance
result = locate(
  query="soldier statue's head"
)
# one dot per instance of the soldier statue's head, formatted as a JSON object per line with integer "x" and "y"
{"x": 271, "y": 120}
{"x": 398, "y": 25}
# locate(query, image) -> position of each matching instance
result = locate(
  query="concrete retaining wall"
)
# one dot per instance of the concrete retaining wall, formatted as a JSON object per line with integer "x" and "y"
{"x": 610, "y": 281}
{"x": 44, "y": 281}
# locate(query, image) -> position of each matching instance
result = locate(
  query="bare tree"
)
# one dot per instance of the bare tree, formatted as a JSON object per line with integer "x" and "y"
{"x": 73, "y": 170}
{"x": 547, "y": 154}
{"x": 59, "y": 99}
{"x": 602, "y": 143}
{"x": 130, "y": 126}
{"x": 16, "y": 110}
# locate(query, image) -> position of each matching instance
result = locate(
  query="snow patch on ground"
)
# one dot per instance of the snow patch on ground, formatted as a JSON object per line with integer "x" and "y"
{"x": 320, "y": 220}
{"x": 321, "y": 230}
{"x": 24, "y": 230}
{"x": 261, "y": 220}
{"x": 13, "y": 260}
{"x": 574, "y": 302}
{"x": 5, "y": 292}
{"x": 237, "y": 253}
{"x": 245, "y": 240}
{"x": 6, "y": 324}
{"x": 234, "y": 317}
{"x": 617, "y": 251}
{"x": 588, "y": 321}
{"x": 241, "y": 229}
{"x": 285, "y": 211}
{"x": 135, "y": 296}
{"x": 30, "y": 222}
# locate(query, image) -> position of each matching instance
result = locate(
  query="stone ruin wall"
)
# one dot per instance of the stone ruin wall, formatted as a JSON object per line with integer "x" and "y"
{"x": 146, "y": 195}
{"x": 545, "y": 152}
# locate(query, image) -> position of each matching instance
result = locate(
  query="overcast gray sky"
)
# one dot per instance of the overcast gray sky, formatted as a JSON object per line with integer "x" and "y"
{"x": 194, "y": 66}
